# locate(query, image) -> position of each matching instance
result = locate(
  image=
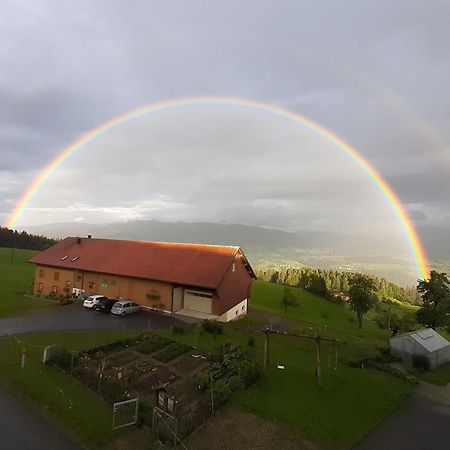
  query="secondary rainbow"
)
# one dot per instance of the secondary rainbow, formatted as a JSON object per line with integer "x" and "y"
{"x": 414, "y": 243}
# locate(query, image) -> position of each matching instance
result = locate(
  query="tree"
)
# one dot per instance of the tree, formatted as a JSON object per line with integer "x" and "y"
{"x": 362, "y": 293}
{"x": 435, "y": 293}
{"x": 288, "y": 299}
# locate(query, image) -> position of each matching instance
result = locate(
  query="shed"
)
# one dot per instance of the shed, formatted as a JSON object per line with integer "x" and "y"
{"x": 426, "y": 342}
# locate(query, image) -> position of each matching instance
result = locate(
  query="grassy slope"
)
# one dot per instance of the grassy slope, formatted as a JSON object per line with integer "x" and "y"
{"x": 15, "y": 280}
{"x": 52, "y": 391}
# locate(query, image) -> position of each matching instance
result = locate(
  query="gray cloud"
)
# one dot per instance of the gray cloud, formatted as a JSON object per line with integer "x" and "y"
{"x": 374, "y": 72}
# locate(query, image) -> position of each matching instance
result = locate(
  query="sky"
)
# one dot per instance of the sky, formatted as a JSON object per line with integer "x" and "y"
{"x": 374, "y": 72}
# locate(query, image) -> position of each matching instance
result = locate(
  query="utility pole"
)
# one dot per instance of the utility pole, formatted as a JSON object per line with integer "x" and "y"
{"x": 318, "y": 374}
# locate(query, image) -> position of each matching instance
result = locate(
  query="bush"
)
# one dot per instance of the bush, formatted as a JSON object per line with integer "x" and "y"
{"x": 144, "y": 413}
{"x": 221, "y": 393}
{"x": 211, "y": 326}
{"x": 61, "y": 358}
{"x": 251, "y": 341}
{"x": 421, "y": 362}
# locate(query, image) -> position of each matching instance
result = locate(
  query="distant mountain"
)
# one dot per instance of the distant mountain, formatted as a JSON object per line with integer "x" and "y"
{"x": 264, "y": 247}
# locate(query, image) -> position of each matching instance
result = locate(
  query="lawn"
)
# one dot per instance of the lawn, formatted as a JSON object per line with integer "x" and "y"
{"x": 16, "y": 278}
{"x": 53, "y": 393}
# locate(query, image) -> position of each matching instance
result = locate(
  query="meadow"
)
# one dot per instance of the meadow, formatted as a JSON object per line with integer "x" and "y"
{"x": 16, "y": 279}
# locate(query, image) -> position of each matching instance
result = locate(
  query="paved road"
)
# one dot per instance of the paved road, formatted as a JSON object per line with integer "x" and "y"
{"x": 421, "y": 423}
{"x": 75, "y": 317}
{"x": 22, "y": 429}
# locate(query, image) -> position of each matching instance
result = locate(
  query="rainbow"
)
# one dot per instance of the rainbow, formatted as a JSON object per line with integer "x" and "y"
{"x": 416, "y": 248}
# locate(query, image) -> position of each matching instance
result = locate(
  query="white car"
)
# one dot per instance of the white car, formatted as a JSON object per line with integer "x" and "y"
{"x": 92, "y": 300}
{"x": 124, "y": 307}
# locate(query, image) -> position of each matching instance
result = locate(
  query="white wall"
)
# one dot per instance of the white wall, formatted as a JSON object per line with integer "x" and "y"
{"x": 236, "y": 311}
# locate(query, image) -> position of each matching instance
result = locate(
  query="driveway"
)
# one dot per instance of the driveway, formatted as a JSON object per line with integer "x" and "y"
{"x": 74, "y": 317}
{"x": 22, "y": 429}
{"x": 421, "y": 423}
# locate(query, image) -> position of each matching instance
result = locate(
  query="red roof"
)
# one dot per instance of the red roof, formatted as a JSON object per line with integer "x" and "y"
{"x": 189, "y": 264}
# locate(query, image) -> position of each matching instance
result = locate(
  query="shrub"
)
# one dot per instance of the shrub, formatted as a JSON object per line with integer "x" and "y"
{"x": 251, "y": 341}
{"x": 421, "y": 362}
{"x": 144, "y": 413}
{"x": 61, "y": 358}
{"x": 211, "y": 326}
{"x": 203, "y": 381}
{"x": 221, "y": 393}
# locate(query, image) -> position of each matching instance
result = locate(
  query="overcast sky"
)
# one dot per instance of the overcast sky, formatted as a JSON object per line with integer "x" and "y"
{"x": 374, "y": 72}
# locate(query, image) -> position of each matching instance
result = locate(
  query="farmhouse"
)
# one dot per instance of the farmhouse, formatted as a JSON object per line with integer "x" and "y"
{"x": 191, "y": 279}
{"x": 426, "y": 343}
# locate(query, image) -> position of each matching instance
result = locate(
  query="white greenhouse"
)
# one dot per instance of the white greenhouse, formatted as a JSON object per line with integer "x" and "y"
{"x": 426, "y": 342}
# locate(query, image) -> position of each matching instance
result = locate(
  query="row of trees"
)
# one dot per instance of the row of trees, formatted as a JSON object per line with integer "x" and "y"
{"x": 24, "y": 240}
{"x": 335, "y": 284}
{"x": 363, "y": 294}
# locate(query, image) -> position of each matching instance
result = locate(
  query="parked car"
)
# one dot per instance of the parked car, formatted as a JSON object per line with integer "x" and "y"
{"x": 124, "y": 307}
{"x": 104, "y": 305}
{"x": 92, "y": 300}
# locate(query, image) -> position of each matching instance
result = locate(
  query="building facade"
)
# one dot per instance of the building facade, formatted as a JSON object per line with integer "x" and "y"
{"x": 190, "y": 279}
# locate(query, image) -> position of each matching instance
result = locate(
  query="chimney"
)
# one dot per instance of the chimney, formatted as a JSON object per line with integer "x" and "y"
{"x": 89, "y": 236}
{"x": 78, "y": 240}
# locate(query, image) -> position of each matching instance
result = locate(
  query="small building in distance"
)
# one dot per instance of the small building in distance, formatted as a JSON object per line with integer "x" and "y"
{"x": 206, "y": 281}
{"x": 426, "y": 343}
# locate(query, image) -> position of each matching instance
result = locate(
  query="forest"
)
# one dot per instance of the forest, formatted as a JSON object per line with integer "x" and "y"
{"x": 23, "y": 240}
{"x": 334, "y": 285}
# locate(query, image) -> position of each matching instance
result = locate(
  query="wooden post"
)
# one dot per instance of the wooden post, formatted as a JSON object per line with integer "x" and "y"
{"x": 22, "y": 362}
{"x": 318, "y": 374}
{"x": 266, "y": 349}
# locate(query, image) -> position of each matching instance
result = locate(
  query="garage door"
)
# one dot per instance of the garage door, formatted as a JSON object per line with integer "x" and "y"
{"x": 198, "y": 301}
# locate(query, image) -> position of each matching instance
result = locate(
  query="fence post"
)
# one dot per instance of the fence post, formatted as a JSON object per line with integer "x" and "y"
{"x": 24, "y": 352}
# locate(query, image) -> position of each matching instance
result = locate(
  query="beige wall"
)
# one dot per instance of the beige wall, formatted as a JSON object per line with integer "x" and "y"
{"x": 153, "y": 294}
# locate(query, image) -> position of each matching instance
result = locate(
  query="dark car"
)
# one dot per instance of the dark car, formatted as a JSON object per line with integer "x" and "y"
{"x": 104, "y": 305}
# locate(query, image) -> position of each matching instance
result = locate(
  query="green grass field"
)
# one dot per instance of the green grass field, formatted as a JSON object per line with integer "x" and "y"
{"x": 16, "y": 278}
{"x": 347, "y": 406}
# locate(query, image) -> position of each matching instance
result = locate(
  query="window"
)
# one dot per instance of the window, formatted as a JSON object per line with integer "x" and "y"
{"x": 41, "y": 273}
{"x": 64, "y": 257}
{"x": 68, "y": 283}
{"x": 74, "y": 259}
{"x": 55, "y": 289}
{"x": 40, "y": 287}
{"x": 234, "y": 267}
{"x": 56, "y": 276}
{"x": 200, "y": 294}
{"x": 91, "y": 285}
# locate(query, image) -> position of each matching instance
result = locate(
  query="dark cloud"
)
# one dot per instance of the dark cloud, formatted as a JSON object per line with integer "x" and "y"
{"x": 374, "y": 72}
